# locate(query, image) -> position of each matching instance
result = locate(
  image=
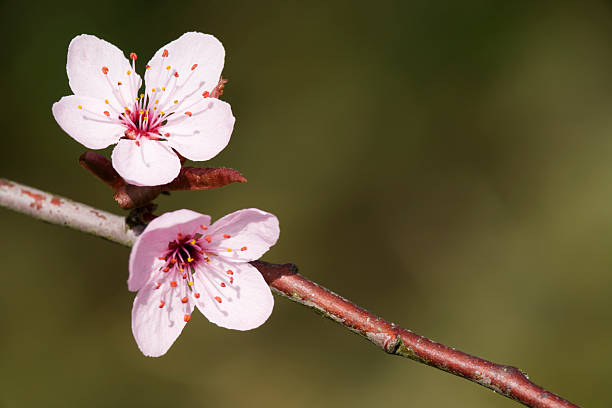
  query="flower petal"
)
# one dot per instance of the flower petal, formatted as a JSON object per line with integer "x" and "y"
{"x": 89, "y": 57}
{"x": 88, "y": 124}
{"x": 203, "y": 133}
{"x": 198, "y": 60}
{"x": 155, "y": 328}
{"x": 153, "y": 242}
{"x": 251, "y": 233}
{"x": 148, "y": 163}
{"x": 244, "y": 304}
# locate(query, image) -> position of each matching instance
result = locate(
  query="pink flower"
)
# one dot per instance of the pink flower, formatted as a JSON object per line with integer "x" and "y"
{"x": 181, "y": 261}
{"x": 175, "y": 112}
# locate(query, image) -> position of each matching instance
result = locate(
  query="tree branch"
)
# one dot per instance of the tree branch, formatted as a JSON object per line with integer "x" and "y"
{"x": 285, "y": 281}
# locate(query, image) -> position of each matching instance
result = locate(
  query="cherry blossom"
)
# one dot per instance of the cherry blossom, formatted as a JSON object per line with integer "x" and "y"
{"x": 177, "y": 112}
{"x": 181, "y": 262}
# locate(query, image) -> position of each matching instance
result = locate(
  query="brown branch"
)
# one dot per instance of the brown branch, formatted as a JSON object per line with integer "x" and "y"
{"x": 285, "y": 281}
{"x": 129, "y": 196}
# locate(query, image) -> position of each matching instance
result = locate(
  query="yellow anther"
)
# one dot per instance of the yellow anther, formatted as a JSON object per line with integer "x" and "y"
{"x": 141, "y": 112}
{"x": 168, "y": 68}
{"x": 192, "y": 242}
{"x": 229, "y": 249}
{"x": 106, "y": 101}
{"x": 189, "y": 259}
{"x": 161, "y": 113}
{"x": 181, "y": 269}
{"x": 80, "y": 107}
{"x": 190, "y": 283}
{"x": 153, "y": 89}
{"x": 119, "y": 83}
{"x": 129, "y": 72}
{"x": 163, "y": 88}
{"x": 141, "y": 96}
{"x": 155, "y": 108}
{"x": 156, "y": 101}
{"x": 175, "y": 101}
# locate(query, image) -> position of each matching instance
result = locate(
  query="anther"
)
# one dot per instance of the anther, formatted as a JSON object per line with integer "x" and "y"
{"x": 168, "y": 68}
{"x": 119, "y": 83}
{"x": 190, "y": 283}
{"x": 222, "y": 284}
{"x": 80, "y": 107}
{"x": 161, "y": 304}
{"x": 204, "y": 227}
{"x": 148, "y": 67}
{"x": 229, "y": 249}
{"x": 176, "y": 74}
{"x": 106, "y": 101}
{"x": 165, "y": 53}
{"x": 231, "y": 280}
{"x": 158, "y": 285}
{"x": 192, "y": 242}
{"x": 197, "y": 295}
{"x": 229, "y": 272}
{"x": 206, "y": 94}
{"x": 107, "y": 113}
{"x": 129, "y": 72}
{"x": 105, "y": 70}
{"x": 208, "y": 239}
{"x": 188, "y": 114}
{"x": 218, "y": 299}
{"x": 187, "y": 318}
{"x": 133, "y": 56}
{"x": 243, "y": 248}
{"x": 184, "y": 300}
{"x": 189, "y": 259}
{"x": 194, "y": 66}
{"x": 173, "y": 284}
{"x": 166, "y": 269}
{"x": 227, "y": 236}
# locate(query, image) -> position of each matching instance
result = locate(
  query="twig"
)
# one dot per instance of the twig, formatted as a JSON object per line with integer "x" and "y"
{"x": 284, "y": 280}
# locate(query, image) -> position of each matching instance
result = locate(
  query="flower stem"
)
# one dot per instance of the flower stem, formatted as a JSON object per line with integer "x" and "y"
{"x": 285, "y": 281}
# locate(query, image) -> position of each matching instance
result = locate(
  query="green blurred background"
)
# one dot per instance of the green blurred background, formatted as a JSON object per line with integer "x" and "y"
{"x": 445, "y": 164}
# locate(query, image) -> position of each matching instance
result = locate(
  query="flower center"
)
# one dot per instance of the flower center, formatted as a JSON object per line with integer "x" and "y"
{"x": 185, "y": 256}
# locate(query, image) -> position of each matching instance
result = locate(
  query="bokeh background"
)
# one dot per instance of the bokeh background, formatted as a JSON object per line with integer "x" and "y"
{"x": 445, "y": 164}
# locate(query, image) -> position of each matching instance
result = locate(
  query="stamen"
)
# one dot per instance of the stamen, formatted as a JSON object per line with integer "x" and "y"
{"x": 197, "y": 295}
{"x": 194, "y": 66}
{"x": 173, "y": 284}
{"x": 105, "y": 70}
{"x": 226, "y": 236}
{"x": 222, "y": 284}
{"x": 188, "y": 114}
{"x": 208, "y": 239}
{"x": 184, "y": 300}
{"x": 218, "y": 299}
{"x": 161, "y": 304}
{"x": 206, "y": 94}
{"x": 187, "y": 318}
{"x": 204, "y": 227}
{"x": 229, "y": 272}
{"x": 165, "y": 53}
{"x": 133, "y": 56}
{"x": 243, "y": 248}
